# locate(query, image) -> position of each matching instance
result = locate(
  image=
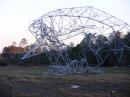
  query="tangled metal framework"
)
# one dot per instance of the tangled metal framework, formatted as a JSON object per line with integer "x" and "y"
{"x": 55, "y": 30}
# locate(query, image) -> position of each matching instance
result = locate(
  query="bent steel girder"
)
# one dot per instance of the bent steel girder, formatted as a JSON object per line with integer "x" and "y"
{"x": 54, "y": 29}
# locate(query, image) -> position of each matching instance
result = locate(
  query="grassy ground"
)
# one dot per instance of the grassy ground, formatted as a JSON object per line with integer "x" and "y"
{"x": 32, "y": 82}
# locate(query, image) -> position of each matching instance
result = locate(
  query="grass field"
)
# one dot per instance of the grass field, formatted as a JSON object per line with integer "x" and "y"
{"x": 32, "y": 82}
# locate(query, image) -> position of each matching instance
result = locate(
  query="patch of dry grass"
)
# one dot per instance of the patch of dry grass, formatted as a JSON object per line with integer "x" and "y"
{"x": 31, "y": 82}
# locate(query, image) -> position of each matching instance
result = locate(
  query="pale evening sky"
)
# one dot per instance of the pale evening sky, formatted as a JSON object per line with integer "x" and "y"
{"x": 15, "y": 15}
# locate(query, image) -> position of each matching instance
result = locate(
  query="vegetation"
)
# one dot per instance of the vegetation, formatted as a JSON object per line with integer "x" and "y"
{"x": 41, "y": 59}
{"x": 12, "y": 54}
{"x": 33, "y": 82}
{"x": 2, "y": 62}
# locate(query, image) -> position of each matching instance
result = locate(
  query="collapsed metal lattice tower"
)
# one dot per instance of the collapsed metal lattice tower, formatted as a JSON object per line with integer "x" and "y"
{"x": 57, "y": 29}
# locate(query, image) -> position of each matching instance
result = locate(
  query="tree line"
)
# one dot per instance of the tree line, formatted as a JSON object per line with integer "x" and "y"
{"x": 12, "y": 53}
{"x": 108, "y": 46}
{"x": 114, "y": 51}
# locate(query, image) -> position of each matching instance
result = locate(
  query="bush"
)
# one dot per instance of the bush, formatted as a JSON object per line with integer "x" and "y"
{"x": 41, "y": 59}
{"x": 2, "y": 63}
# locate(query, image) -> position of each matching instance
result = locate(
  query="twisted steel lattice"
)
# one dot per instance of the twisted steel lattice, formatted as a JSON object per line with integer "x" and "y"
{"x": 56, "y": 29}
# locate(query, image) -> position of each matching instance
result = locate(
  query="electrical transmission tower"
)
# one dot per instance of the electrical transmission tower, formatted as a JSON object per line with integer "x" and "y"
{"x": 85, "y": 25}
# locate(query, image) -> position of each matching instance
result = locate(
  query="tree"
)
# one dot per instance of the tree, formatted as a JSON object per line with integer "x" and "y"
{"x": 71, "y": 44}
{"x": 101, "y": 40}
{"x": 127, "y": 39}
{"x": 23, "y": 42}
{"x": 5, "y": 50}
{"x": 13, "y": 44}
{"x": 75, "y": 52}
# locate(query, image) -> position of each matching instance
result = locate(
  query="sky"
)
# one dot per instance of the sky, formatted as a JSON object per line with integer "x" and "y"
{"x": 16, "y": 15}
